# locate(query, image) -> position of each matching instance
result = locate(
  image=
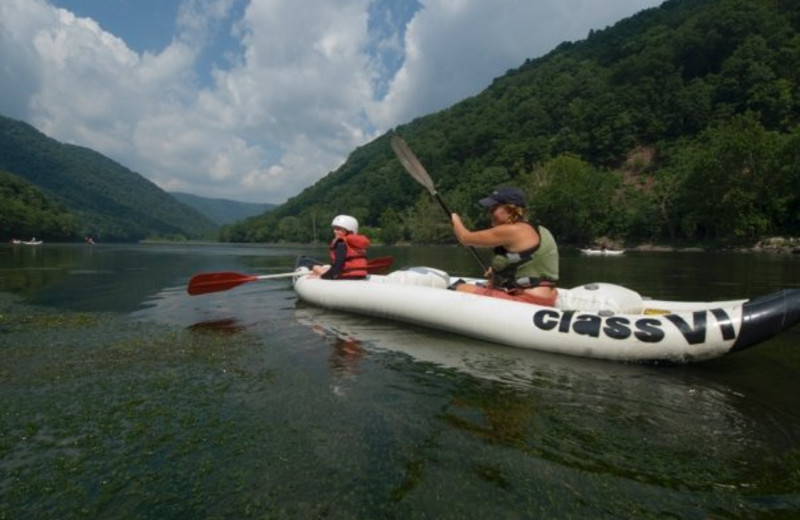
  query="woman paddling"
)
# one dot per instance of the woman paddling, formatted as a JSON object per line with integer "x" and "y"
{"x": 525, "y": 262}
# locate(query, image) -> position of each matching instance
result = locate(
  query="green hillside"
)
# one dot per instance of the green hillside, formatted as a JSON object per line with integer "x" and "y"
{"x": 222, "y": 211}
{"x": 107, "y": 200}
{"x": 27, "y": 212}
{"x": 677, "y": 124}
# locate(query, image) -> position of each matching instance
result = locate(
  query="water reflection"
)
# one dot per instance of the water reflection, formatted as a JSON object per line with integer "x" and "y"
{"x": 656, "y": 426}
{"x": 345, "y": 356}
{"x": 282, "y": 404}
{"x": 224, "y": 326}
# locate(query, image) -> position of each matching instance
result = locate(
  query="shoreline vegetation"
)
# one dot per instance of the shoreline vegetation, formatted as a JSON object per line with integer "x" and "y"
{"x": 771, "y": 245}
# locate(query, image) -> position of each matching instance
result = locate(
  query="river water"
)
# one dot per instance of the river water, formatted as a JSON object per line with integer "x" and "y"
{"x": 123, "y": 397}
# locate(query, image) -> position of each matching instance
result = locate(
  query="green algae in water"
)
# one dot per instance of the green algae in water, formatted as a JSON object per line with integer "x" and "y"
{"x": 102, "y": 416}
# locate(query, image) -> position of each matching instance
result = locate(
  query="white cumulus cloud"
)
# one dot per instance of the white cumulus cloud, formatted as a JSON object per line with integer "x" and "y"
{"x": 302, "y": 84}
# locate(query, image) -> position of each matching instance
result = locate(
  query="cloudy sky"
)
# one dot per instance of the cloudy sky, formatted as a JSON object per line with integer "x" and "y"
{"x": 255, "y": 100}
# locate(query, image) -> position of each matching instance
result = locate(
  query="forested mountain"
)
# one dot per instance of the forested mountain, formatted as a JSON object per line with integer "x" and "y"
{"x": 677, "y": 124}
{"x": 27, "y": 212}
{"x": 106, "y": 200}
{"x": 222, "y": 211}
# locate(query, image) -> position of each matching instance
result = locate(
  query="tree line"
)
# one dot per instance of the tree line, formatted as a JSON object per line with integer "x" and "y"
{"x": 26, "y": 212}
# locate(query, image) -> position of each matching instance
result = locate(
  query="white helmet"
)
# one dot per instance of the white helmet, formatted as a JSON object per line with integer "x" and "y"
{"x": 347, "y": 222}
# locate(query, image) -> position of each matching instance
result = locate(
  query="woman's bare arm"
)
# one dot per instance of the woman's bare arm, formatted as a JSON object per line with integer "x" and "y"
{"x": 492, "y": 237}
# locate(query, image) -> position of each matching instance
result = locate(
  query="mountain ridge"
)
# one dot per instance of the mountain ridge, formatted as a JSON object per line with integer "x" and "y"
{"x": 220, "y": 210}
{"x": 108, "y": 200}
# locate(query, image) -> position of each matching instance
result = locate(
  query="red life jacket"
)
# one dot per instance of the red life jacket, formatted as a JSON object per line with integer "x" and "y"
{"x": 355, "y": 264}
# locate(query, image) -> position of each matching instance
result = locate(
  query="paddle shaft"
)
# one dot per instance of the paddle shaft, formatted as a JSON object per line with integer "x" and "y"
{"x": 450, "y": 217}
{"x": 419, "y": 174}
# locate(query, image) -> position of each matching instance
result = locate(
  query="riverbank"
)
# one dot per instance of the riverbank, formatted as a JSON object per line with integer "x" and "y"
{"x": 772, "y": 245}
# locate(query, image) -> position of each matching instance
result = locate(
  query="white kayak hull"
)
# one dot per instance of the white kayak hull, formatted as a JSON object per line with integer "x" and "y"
{"x": 597, "y": 321}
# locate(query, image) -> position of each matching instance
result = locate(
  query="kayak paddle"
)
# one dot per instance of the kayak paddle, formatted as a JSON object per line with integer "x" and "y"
{"x": 205, "y": 283}
{"x": 417, "y": 171}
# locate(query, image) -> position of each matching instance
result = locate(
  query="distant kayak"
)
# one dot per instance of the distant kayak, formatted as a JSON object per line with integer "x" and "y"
{"x": 596, "y": 320}
{"x": 604, "y": 252}
{"x": 32, "y": 242}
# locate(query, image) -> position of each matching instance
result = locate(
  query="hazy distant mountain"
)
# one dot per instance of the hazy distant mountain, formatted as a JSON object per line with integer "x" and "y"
{"x": 222, "y": 211}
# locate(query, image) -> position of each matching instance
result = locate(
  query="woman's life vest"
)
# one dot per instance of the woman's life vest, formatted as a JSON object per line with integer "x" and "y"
{"x": 530, "y": 268}
{"x": 355, "y": 262}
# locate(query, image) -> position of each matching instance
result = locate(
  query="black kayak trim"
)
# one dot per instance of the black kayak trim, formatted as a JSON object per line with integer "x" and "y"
{"x": 768, "y": 316}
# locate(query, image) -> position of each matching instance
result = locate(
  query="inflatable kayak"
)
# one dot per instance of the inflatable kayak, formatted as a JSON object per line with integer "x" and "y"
{"x": 596, "y": 320}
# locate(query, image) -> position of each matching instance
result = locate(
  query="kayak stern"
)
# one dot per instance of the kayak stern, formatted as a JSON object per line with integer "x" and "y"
{"x": 768, "y": 316}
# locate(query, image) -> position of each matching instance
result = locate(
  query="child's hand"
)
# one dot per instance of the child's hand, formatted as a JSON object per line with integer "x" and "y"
{"x": 319, "y": 270}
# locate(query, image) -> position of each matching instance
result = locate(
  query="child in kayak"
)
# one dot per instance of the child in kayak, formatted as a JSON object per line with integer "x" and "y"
{"x": 348, "y": 252}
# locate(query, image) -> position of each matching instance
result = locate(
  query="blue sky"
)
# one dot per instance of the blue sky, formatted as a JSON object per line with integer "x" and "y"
{"x": 144, "y": 25}
{"x": 255, "y": 100}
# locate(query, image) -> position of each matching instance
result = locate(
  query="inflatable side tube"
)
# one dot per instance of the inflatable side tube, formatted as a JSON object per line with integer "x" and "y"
{"x": 767, "y": 316}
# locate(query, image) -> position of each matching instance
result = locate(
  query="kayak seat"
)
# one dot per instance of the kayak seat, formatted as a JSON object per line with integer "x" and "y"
{"x": 421, "y": 276}
{"x": 604, "y": 298}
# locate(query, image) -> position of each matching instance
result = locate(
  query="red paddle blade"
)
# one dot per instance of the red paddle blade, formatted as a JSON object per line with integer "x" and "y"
{"x": 378, "y": 265}
{"x": 205, "y": 283}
